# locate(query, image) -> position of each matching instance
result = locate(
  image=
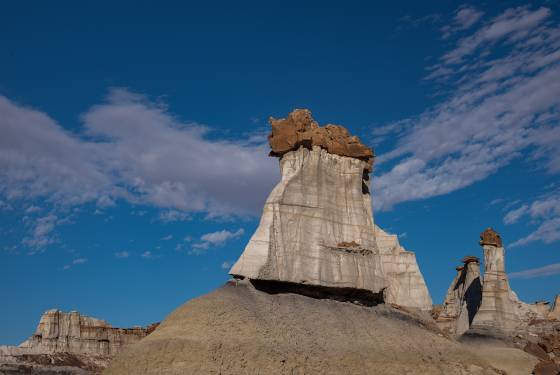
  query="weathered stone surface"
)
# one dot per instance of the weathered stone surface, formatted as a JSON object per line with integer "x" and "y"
{"x": 299, "y": 129}
{"x": 555, "y": 310}
{"x": 317, "y": 225}
{"x": 69, "y": 343}
{"x": 463, "y": 298}
{"x": 500, "y": 310}
{"x": 74, "y": 333}
{"x": 547, "y": 368}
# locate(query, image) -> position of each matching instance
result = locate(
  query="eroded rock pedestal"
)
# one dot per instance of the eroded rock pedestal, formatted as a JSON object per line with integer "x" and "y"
{"x": 317, "y": 225}
{"x": 463, "y": 298}
{"x": 500, "y": 309}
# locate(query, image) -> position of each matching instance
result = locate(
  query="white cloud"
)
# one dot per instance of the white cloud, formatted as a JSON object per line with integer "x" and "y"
{"x": 167, "y": 238}
{"x": 75, "y": 262}
{"x": 227, "y": 265}
{"x": 514, "y": 215}
{"x": 173, "y": 215}
{"x": 41, "y": 234}
{"x": 130, "y": 149}
{"x": 122, "y": 254}
{"x": 550, "y": 270}
{"x": 147, "y": 255}
{"x": 32, "y": 209}
{"x": 218, "y": 238}
{"x": 499, "y": 107}
{"x": 543, "y": 212}
{"x": 465, "y": 17}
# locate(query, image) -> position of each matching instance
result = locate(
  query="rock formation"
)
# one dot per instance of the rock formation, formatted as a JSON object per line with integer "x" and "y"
{"x": 317, "y": 227}
{"x": 490, "y": 307}
{"x": 500, "y": 310}
{"x": 74, "y": 333}
{"x": 463, "y": 298}
{"x": 70, "y": 340}
{"x": 555, "y": 310}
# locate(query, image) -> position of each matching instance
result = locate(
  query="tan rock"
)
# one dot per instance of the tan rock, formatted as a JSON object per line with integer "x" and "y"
{"x": 555, "y": 309}
{"x": 299, "y": 129}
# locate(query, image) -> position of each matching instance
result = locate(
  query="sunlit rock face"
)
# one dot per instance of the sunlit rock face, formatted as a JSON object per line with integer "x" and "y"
{"x": 74, "y": 333}
{"x": 317, "y": 225}
{"x": 555, "y": 310}
{"x": 463, "y": 298}
{"x": 500, "y": 309}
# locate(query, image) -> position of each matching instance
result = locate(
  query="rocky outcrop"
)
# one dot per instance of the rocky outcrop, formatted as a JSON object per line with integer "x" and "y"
{"x": 74, "y": 333}
{"x": 463, "y": 298}
{"x": 500, "y": 310}
{"x": 317, "y": 224}
{"x": 489, "y": 307}
{"x": 69, "y": 343}
{"x": 299, "y": 129}
{"x": 555, "y": 310}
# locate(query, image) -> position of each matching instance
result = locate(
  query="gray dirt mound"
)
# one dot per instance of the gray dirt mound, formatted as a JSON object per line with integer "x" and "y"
{"x": 240, "y": 330}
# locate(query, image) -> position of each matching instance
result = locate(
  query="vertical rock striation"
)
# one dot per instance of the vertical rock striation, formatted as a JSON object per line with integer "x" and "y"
{"x": 317, "y": 224}
{"x": 74, "y": 333}
{"x": 463, "y": 298}
{"x": 500, "y": 309}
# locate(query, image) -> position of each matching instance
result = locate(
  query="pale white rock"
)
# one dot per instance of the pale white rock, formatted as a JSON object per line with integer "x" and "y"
{"x": 407, "y": 286}
{"x": 317, "y": 228}
{"x": 463, "y": 298}
{"x": 74, "y": 333}
{"x": 500, "y": 310}
{"x": 555, "y": 309}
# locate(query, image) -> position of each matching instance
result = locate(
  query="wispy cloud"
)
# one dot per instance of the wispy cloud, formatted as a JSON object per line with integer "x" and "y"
{"x": 550, "y": 270}
{"x": 544, "y": 213}
{"x": 131, "y": 149}
{"x": 215, "y": 239}
{"x": 75, "y": 262}
{"x": 502, "y": 101}
{"x": 227, "y": 265}
{"x": 41, "y": 234}
{"x": 465, "y": 17}
{"x": 122, "y": 254}
{"x": 167, "y": 238}
{"x": 148, "y": 255}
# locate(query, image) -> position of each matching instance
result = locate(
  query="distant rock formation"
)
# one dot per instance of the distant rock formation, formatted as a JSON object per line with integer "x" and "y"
{"x": 500, "y": 309}
{"x": 87, "y": 343}
{"x": 317, "y": 226}
{"x": 490, "y": 307}
{"x": 463, "y": 298}
{"x": 555, "y": 310}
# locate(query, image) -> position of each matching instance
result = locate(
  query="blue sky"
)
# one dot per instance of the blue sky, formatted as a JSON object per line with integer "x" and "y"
{"x": 133, "y": 156}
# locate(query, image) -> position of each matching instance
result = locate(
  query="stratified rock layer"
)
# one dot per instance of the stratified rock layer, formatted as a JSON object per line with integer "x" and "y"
{"x": 500, "y": 310}
{"x": 74, "y": 333}
{"x": 317, "y": 225}
{"x": 69, "y": 343}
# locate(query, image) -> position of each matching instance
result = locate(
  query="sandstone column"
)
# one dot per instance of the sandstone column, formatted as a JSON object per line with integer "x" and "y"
{"x": 497, "y": 311}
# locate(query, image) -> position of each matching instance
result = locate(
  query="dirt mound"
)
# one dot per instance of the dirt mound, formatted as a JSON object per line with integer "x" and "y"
{"x": 240, "y": 330}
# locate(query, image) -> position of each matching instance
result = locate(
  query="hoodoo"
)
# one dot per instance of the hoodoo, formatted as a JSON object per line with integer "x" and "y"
{"x": 317, "y": 234}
